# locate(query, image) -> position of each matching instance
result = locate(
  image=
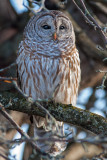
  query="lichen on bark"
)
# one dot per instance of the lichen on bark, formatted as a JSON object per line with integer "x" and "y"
{"x": 61, "y": 112}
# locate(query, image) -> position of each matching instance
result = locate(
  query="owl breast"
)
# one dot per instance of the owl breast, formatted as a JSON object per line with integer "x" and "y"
{"x": 53, "y": 72}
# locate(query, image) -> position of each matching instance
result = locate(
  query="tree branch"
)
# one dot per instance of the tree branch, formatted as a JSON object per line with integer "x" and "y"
{"x": 91, "y": 20}
{"x": 8, "y": 67}
{"x": 17, "y": 127}
{"x": 66, "y": 113}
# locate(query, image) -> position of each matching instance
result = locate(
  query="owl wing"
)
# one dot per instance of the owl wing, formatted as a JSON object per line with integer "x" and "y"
{"x": 20, "y": 52}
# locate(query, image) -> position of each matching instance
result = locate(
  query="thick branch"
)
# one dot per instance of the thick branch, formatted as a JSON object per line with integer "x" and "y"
{"x": 67, "y": 113}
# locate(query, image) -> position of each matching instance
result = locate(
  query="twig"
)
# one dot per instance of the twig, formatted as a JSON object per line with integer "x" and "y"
{"x": 32, "y": 102}
{"x": 91, "y": 21}
{"x": 46, "y": 111}
{"x": 21, "y": 140}
{"x": 42, "y": 6}
{"x": 23, "y": 134}
{"x": 95, "y": 22}
{"x": 57, "y": 132}
{"x": 5, "y": 157}
{"x": 17, "y": 127}
{"x": 103, "y": 81}
{"x": 101, "y": 71}
{"x": 93, "y": 140}
{"x": 7, "y": 116}
{"x": 8, "y": 67}
{"x": 8, "y": 79}
{"x": 105, "y": 59}
{"x": 20, "y": 91}
{"x": 14, "y": 81}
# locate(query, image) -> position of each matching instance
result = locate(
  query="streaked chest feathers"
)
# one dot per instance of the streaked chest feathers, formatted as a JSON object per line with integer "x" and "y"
{"x": 44, "y": 76}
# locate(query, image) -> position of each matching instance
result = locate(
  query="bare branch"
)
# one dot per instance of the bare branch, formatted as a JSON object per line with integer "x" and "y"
{"x": 91, "y": 21}
{"x": 8, "y": 79}
{"x": 23, "y": 134}
{"x": 17, "y": 127}
{"x": 41, "y": 6}
{"x": 3, "y": 156}
{"x": 8, "y": 67}
{"x": 104, "y": 79}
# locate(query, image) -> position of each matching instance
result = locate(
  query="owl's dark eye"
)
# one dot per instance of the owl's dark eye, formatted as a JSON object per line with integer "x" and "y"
{"x": 46, "y": 27}
{"x": 62, "y": 27}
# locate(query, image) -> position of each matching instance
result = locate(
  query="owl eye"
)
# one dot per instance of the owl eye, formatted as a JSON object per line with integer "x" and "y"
{"x": 46, "y": 27}
{"x": 62, "y": 27}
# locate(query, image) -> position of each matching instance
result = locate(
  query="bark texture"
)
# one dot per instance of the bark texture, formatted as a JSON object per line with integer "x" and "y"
{"x": 66, "y": 113}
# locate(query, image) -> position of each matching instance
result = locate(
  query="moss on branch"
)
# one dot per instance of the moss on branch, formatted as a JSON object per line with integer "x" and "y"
{"x": 66, "y": 113}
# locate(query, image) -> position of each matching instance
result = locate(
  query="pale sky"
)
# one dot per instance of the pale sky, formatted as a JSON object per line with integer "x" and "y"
{"x": 18, "y": 5}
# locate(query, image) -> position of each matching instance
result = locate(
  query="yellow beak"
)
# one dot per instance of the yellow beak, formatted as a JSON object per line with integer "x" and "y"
{"x": 55, "y": 36}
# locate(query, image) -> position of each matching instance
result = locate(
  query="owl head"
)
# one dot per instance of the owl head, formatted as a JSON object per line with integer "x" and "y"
{"x": 50, "y": 26}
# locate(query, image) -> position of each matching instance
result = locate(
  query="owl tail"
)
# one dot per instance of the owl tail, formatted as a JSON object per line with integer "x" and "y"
{"x": 48, "y": 131}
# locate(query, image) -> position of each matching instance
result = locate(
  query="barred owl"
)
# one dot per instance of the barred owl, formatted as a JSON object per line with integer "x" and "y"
{"x": 49, "y": 67}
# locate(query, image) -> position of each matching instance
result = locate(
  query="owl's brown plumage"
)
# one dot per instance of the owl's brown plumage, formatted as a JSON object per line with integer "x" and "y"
{"x": 49, "y": 66}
